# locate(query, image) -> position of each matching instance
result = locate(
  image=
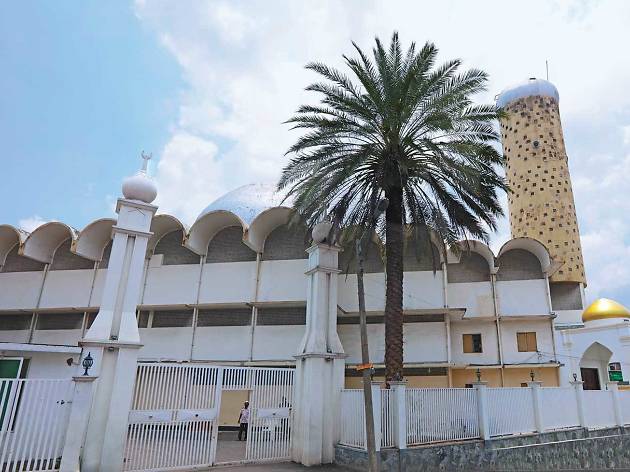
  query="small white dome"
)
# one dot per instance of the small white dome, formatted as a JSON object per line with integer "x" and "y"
{"x": 139, "y": 187}
{"x": 529, "y": 88}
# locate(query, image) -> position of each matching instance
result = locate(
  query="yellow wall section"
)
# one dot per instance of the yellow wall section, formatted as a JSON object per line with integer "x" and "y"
{"x": 431, "y": 381}
{"x": 231, "y": 404}
{"x": 541, "y": 203}
{"x": 511, "y": 377}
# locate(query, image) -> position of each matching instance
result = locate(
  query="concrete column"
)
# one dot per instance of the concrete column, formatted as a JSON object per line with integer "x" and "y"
{"x": 320, "y": 364}
{"x": 613, "y": 387}
{"x": 579, "y": 397}
{"x": 399, "y": 410}
{"x": 377, "y": 408}
{"x": 534, "y": 387}
{"x": 482, "y": 409}
{"x": 77, "y": 423}
{"x": 113, "y": 339}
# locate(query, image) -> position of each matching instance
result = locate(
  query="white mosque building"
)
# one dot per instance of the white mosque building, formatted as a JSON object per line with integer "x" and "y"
{"x": 232, "y": 288}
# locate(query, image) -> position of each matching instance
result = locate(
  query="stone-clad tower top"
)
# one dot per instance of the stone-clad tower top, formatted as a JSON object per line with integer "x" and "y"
{"x": 541, "y": 203}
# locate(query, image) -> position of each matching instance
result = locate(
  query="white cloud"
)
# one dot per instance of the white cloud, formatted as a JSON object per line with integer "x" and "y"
{"x": 31, "y": 223}
{"x": 243, "y": 65}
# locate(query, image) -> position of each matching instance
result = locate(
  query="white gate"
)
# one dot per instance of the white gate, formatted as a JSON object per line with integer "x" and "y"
{"x": 34, "y": 417}
{"x": 174, "y": 418}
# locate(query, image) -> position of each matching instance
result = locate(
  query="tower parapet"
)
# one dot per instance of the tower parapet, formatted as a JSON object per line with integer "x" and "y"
{"x": 541, "y": 204}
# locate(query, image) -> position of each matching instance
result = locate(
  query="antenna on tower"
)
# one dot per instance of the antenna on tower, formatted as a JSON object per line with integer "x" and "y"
{"x": 547, "y": 67}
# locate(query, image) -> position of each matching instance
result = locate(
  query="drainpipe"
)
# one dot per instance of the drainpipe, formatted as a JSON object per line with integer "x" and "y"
{"x": 495, "y": 304}
{"x": 444, "y": 285}
{"x": 86, "y": 314}
{"x": 254, "y": 318}
{"x": 39, "y": 299}
{"x": 202, "y": 263}
{"x": 447, "y": 323}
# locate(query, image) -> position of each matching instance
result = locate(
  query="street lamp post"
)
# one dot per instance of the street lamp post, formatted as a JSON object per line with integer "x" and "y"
{"x": 366, "y": 366}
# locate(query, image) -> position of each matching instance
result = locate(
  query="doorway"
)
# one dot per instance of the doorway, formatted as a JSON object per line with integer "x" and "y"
{"x": 229, "y": 447}
{"x": 590, "y": 377}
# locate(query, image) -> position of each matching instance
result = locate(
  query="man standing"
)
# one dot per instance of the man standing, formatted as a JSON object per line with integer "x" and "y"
{"x": 243, "y": 420}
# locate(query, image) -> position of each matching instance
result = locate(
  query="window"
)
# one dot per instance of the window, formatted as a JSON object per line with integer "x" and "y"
{"x": 472, "y": 343}
{"x": 526, "y": 342}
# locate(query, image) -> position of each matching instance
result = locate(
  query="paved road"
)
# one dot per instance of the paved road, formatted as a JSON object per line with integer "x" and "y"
{"x": 283, "y": 467}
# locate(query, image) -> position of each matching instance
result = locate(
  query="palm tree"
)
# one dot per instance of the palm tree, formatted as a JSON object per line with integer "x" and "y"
{"x": 404, "y": 129}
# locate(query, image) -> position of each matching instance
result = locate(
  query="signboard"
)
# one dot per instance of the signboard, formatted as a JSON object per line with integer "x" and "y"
{"x": 615, "y": 376}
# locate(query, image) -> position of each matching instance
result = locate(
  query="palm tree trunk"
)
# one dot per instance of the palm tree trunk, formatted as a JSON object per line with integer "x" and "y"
{"x": 394, "y": 289}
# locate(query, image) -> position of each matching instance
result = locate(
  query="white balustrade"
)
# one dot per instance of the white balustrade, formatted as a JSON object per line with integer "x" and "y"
{"x": 352, "y": 418}
{"x": 624, "y": 403}
{"x": 511, "y": 411}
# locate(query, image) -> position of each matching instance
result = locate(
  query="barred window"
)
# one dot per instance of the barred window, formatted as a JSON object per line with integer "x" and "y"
{"x": 172, "y": 318}
{"x": 50, "y": 321}
{"x": 281, "y": 316}
{"x": 225, "y": 317}
{"x": 15, "y": 321}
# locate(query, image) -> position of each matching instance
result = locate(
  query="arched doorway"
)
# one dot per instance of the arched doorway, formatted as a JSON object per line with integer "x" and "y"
{"x": 594, "y": 366}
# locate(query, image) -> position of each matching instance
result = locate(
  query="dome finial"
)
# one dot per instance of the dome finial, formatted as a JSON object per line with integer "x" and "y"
{"x": 140, "y": 186}
{"x": 145, "y": 158}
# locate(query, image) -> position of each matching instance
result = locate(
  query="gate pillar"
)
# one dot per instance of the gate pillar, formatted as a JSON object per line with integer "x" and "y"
{"x": 113, "y": 339}
{"x": 320, "y": 363}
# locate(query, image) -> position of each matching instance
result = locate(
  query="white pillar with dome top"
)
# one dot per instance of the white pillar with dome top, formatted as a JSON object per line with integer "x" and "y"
{"x": 113, "y": 338}
{"x": 320, "y": 360}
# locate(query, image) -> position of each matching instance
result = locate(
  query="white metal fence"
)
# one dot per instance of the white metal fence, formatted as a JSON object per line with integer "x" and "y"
{"x": 34, "y": 415}
{"x": 352, "y": 418}
{"x": 441, "y": 414}
{"x": 559, "y": 407}
{"x": 624, "y": 404}
{"x": 511, "y": 411}
{"x": 173, "y": 423}
{"x": 451, "y": 414}
{"x": 599, "y": 411}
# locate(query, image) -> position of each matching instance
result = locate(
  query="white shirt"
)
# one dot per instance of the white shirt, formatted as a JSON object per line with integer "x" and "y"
{"x": 244, "y": 415}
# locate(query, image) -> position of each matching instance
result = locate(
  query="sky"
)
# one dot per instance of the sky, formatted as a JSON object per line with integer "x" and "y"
{"x": 205, "y": 86}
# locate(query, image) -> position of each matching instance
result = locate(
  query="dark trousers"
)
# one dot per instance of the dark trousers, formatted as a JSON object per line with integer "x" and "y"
{"x": 242, "y": 428}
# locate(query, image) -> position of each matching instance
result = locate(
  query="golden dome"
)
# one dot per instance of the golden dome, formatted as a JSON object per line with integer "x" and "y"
{"x": 604, "y": 309}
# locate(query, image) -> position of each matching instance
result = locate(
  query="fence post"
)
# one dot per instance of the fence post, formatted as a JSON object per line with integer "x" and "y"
{"x": 482, "y": 409}
{"x": 534, "y": 387}
{"x": 614, "y": 391}
{"x": 399, "y": 410}
{"x": 77, "y": 423}
{"x": 579, "y": 396}
{"x": 378, "y": 413}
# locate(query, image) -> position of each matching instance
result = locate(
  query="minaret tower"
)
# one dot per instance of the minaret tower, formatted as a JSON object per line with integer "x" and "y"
{"x": 541, "y": 202}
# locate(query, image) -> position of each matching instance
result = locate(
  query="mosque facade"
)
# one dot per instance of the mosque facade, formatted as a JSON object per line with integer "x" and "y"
{"x": 232, "y": 289}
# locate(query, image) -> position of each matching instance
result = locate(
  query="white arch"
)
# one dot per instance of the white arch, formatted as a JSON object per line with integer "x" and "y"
{"x": 161, "y": 225}
{"x": 478, "y": 247}
{"x": 264, "y": 224}
{"x": 9, "y": 237}
{"x": 207, "y": 226}
{"x": 41, "y": 244}
{"x": 93, "y": 239}
{"x": 533, "y": 246}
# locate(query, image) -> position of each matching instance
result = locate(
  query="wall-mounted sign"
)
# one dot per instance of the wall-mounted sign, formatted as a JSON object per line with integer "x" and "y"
{"x": 615, "y": 376}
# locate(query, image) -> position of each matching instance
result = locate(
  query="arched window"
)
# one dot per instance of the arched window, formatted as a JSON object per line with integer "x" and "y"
{"x": 17, "y": 263}
{"x": 172, "y": 250}
{"x": 63, "y": 259}
{"x": 373, "y": 261}
{"x": 420, "y": 255}
{"x": 104, "y": 264}
{"x": 519, "y": 264}
{"x": 286, "y": 242}
{"x": 228, "y": 246}
{"x": 472, "y": 267}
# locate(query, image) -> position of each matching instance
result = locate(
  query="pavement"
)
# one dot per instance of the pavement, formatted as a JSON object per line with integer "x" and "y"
{"x": 231, "y": 450}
